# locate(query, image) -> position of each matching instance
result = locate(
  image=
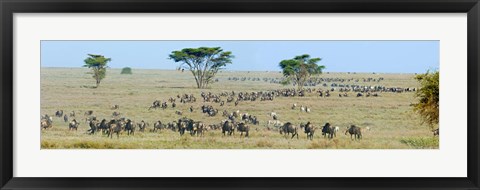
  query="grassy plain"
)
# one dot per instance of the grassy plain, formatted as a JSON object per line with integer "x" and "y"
{"x": 390, "y": 117}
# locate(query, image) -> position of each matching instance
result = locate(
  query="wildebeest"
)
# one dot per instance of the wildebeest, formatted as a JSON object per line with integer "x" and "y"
{"x": 172, "y": 126}
{"x": 116, "y": 114}
{"x": 73, "y": 125}
{"x": 179, "y": 112}
{"x": 197, "y": 128}
{"x": 88, "y": 113}
{"x": 157, "y": 126}
{"x": 46, "y": 122}
{"x": 103, "y": 126}
{"x": 242, "y": 127}
{"x": 114, "y": 127}
{"x": 289, "y": 128}
{"x": 72, "y": 114}
{"x": 309, "y": 130}
{"x": 354, "y": 131}
{"x": 436, "y": 132}
{"x": 328, "y": 131}
{"x": 90, "y": 118}
{"x": 65, "y": 118}
{"x": 130, "y": 127}
{"x": 155, "y": 105}
{"x": 93, "y": 126}
{"x": 228, "y": 127}
{"x": 141, "y": 126}
{"x": 59, "y": 113}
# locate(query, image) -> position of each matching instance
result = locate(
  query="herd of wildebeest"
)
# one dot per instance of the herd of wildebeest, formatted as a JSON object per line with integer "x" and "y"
{"x": 233, "y": 121}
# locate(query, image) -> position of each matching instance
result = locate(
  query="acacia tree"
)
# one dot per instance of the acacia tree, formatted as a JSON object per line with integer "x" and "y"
{"x": 126, "y": 70}
{"x": 203, "y": 62}
{"x": 98, "y": 64}
{"x": 428, "y": 97}
{"x": 300, "y": 68}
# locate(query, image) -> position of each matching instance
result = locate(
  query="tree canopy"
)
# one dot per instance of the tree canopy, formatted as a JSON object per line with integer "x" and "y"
{"x": 98, "y": 64}
{"x": 203, "y": 62}
{"x": 300, "y": 68}
{"x": 126, "y": 70}
{"x": 428, "y": 97}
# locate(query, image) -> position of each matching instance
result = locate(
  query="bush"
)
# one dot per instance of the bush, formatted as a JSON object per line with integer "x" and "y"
{"x": 126, "y": 70}
{"x": 425, "y": 142}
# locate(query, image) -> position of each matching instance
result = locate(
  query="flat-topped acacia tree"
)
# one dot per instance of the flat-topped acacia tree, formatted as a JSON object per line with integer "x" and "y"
{"x": 202, "y": 62}
{"x": 428, "y": 96}
{"x": 98, "y": 64}
{"x": 300, "y": 68}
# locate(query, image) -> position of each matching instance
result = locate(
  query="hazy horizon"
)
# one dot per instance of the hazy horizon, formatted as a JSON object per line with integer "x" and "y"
{"x": 225, "y": 70}
{"x": 337, "y": 56}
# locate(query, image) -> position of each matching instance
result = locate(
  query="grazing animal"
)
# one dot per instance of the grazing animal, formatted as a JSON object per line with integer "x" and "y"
{"x": 115, "y": 107}
{"x": 59, "y": 113}
{"x": 103, "y": 126}
{"x": 309, "y": 130}
{"x": 73, "y": 125}
{"x": 130, "y": 127}
{"x": 88, "y": 113}
{"x": 141, "y": 126}
{"x": 228, "y": 128}
{"x": 289, "y": 128}
{"x": 354, "y": 131}
{"x": 116, "y": 114}
{"x": 93, "y": 127}
{"x": 114, "y": 127}
{"x": 436, "y": 132}
{"x": 198, "y": 128}
{"x": 242, "y": 127}
{"x": 65, "y": 118}
{"x": 46, "y": 122}
{"x": 182, "y": 126}
{"x": 90, "y": 118}
{"x": 155, "y": 105}
{"x": 157, "y": 126}
{"x": 328, "y": 131}
{"x": 72, "y": 114}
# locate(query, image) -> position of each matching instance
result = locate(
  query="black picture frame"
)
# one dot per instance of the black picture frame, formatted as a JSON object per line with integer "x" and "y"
{"x": 9, "y": 7}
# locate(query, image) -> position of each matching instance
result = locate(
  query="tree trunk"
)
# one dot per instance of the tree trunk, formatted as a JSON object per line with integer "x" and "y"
{"x": 97, "y": 83}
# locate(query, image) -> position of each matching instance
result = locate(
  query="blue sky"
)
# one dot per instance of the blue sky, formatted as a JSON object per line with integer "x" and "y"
{"x": 337, "y": 56}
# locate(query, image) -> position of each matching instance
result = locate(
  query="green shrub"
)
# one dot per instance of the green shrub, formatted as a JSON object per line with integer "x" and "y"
{"x": 421, "y": 142}
{"x": 126, "y": 70}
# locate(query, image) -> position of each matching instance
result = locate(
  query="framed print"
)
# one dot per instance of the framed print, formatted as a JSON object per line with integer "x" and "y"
{"x": 250, "y": 95}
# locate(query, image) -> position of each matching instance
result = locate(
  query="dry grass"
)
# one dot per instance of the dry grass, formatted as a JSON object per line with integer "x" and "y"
{"x": 389, "y": 116}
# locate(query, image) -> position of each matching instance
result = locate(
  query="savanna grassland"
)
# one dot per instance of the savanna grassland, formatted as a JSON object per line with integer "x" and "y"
{"x": 392, "y": 123}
